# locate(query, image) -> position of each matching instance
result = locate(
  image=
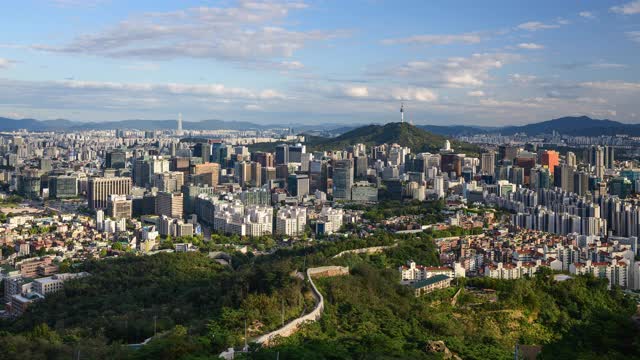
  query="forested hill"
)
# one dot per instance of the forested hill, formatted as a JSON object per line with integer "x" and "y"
{"x": 391, "y": 133}
{"x": 199, "y": 308}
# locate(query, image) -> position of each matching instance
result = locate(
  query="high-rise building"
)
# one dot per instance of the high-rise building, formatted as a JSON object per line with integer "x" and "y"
{"x": 169, "y": 181}
{"x": 563, "y": 177}
{"x": 170, "y": 204}
{"x": 256, "y": 174}
{"x": 342, "y": 179}
{"x": 158, "y": 165}
{"x": 361, "y": 165}
{"x": 203, "y": 151}
{"x": 295, "y": 153}
{"x": 45, "y": 165}
{"x": 243, "y": 173}
{"x": 596, "y": 160}
{"x": 580, "y": 183}
{"x": 62, "y": 187}
{"x": 550, "y": 159}
{"x": 263, "y": 158}
{"x": 507, "y": 152}
{"x": 100, "y": 188}
{"x": 141, "y": 172}
{"x": 609, "y": 157}
{"x": 179, "y": 130}
{"x": 620, "y": 186}
{"x": 488, "y": 163}
{"x": 571, "y": 159}
{"x": 116, "y": 159}
{"x": 451, "y": 163}
{"x": 207, "y": 173}
{"x": 291, "y": 221}
{"x": 298, "y": 185}
{"x": 282, "y": 154}
{"x": 119, "y": 207}
{"x": 29, "y": 185}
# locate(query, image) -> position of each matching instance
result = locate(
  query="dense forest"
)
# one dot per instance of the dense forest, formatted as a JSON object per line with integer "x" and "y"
{"x": 368, "y": 315}
{"x": 198, "y": 307}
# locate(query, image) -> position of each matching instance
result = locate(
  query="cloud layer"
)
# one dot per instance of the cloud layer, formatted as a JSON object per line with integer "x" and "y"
{"x": 248, "y": 31}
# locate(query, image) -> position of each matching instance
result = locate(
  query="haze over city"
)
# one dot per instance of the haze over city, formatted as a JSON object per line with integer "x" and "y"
{"x": 492, "y": 63}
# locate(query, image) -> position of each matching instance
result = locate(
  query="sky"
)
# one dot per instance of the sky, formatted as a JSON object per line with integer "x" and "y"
{"x": 489, "y": 63}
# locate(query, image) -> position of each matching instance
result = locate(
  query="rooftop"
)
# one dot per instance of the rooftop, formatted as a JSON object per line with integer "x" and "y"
{"x": 429, "y": 281}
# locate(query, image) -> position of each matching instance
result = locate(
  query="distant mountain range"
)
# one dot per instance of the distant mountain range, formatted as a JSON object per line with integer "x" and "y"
{"x": 576, "y": 126}
{"x": 7, "y": 124}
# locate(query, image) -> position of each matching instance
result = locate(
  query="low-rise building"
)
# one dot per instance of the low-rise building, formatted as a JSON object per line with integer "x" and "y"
{"x": 428, "y": 285}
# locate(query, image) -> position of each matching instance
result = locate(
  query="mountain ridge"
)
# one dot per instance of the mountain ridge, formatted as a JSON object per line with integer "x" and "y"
{"x": 568, "y": 125}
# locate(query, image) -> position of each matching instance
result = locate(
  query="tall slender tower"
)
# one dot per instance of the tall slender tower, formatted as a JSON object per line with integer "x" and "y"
{"x": 180, "y": 124}
{"x": 402, "y": 112}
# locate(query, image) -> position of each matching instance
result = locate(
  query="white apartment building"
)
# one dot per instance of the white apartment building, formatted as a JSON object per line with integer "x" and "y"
{"x": 332, "y": 219}
{"x": 512, "y": 271}
{"x": 291, "y": 221}
{"x": 234, "y": 218}
{"x": 411, "y": 272}
{"x": 51, "y": 284}
{"x": 174, "y": 227}
{"x": 616, "y": 271}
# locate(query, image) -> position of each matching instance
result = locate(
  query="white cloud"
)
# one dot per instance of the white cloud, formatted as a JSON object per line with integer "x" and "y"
{"x": 218, "y": 90}
{"x": 521, "y": 78}
{"x": 607, "y": 66}
{"x": 442, "y": 39}
{"x": 414, "y": 94}
{"x": 532, "y": 103}
{"x": 530, "y": 46}
{"x": 291, "y": 65}
{"x": 142, "y": 66}
{"x": 5, "y": 63}
{"x": 630, "y": 8}
{"x": 634, "y": 35}
{"x": 612, "y": 85}
{"x": 455, "y": 72}
{"x": 476, "y": 93}
{"x": 587, "y": 14}
{"x": 357, "y": 91}
{"x": 384, "y": 94}
{"x": 250, "y": 31}
{"x": 536, "y": 25}
{"x": 253, "y": 107}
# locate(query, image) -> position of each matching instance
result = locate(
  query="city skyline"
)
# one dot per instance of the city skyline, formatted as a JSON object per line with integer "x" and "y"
{"x": 314, "y": 62}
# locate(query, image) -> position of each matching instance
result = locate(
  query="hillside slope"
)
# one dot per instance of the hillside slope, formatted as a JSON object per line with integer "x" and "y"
{"x": 391, "y": 133}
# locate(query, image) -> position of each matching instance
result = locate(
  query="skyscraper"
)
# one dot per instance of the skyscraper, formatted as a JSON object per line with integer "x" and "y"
{"x": 170, "y": 204}
{"x": 550, "y": 159}
{"x": 179, "y": 132}
{"x": 282, "y": 154}
{"x": 116, "y": 159}
{"x": 342, "y": 179}
{"x": 571, "y": 159}
{"x": 609, "y": 157}
{"x": 488, "y": 163}
{"x": 596, "y": 159}
{"x": 100, "y": 188}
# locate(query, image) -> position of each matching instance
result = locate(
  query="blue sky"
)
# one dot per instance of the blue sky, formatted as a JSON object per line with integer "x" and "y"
{"x": 292, "y": 62}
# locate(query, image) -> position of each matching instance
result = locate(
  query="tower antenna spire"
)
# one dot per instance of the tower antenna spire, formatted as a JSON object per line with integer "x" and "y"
{"x": 402, "y": 112}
